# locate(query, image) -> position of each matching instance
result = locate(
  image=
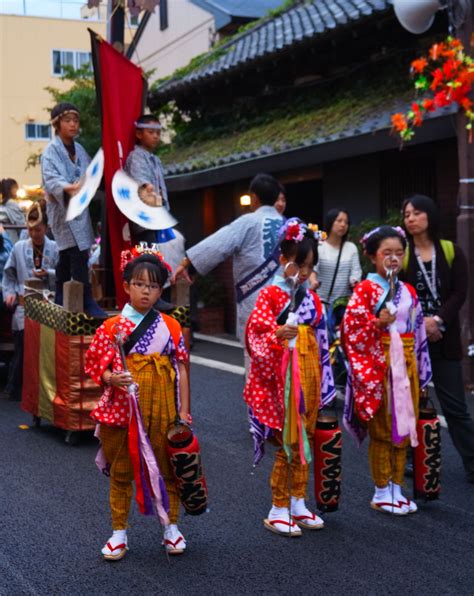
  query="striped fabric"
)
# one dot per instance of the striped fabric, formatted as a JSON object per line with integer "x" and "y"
{"x": 55, "y": 387}
{"x": 349, "y": 269}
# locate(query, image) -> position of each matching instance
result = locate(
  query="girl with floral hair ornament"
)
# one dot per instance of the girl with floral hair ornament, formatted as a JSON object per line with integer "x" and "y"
{"x": 139, "y": 404}
{"x": 385, "y": 342}
{"x": 288, "y": 384}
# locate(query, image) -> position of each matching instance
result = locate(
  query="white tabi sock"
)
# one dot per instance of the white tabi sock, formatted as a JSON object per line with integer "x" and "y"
{"x": 279, "y": 513}
{"x": 118, "y": 536}
{"x": 382, "y": 494}
{"x": 298, "y": 507}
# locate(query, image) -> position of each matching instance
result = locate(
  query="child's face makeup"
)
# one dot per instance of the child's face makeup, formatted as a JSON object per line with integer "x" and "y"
{"x": 149, "y": 137}
{"x": 390, "y": 253}
{"x": 143, "y": 293}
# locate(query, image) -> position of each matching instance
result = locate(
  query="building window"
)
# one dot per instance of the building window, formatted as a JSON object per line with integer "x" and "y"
{"x": 37, "y": 132}
{"x": 163, "y": 15}
{"x": 75, "y": 59}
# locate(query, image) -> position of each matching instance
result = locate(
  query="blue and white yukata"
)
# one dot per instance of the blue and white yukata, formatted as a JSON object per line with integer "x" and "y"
{"x": 146, "y": 168}
{"x": 18, "y": 268}
{"x": 74, "y": 238}
{"x": 252, "y": 242}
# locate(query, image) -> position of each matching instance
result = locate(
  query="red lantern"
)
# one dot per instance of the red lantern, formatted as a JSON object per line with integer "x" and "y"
{"x": 327, "y": 463}
{"x": 185, "y": 458}
{"x": 427, "y": 456}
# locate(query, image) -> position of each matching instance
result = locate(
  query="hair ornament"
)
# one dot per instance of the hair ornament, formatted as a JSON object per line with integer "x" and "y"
{"x": 34, "y": 215}
{"x": 126, "y": 256}
{"x": 400, "y": 231}
{"x": 319, "y": 235}
{"x": 295, "y": 230}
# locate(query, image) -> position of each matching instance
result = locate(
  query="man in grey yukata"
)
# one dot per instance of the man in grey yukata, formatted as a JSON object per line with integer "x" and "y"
{"x": 63, "y": 163}
{"x": 36, "y": 257}
{"x": 252, "y": 242}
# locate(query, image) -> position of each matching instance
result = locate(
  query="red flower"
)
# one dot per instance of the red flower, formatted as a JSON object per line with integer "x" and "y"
{"x": 441, "y": 99}
{"x": 417, "y": 115}
{"x": 429, "y": 105}
{"x": 436, "y": 50}
{"x": 419, "y": 64}
{"x": 450, "y": 68}
{"x": 399, "y": 122}
{"x": 459, "y": 93}
{"x": 437, "y": 79}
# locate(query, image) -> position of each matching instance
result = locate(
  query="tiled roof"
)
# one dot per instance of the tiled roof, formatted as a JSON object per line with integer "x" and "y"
{"x": 297, "y": 24}
{"x": 369, "y": 122}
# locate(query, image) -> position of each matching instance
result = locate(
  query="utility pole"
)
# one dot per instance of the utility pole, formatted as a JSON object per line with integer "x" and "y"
{"x": 116, "y": 24}
{"x": 465, "y": 220}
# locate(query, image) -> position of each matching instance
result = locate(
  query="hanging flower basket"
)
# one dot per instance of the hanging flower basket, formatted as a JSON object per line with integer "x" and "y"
{"x": 444, "y": 77}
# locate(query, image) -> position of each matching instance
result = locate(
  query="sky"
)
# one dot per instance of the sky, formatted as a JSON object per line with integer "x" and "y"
{"x": 66, "y": 9}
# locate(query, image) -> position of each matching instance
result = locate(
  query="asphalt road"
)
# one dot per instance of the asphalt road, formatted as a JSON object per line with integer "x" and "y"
{"x": 55, "y": 519}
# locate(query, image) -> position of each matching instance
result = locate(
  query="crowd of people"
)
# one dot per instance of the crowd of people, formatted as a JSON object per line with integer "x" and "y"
{"x": 399, "y": 328}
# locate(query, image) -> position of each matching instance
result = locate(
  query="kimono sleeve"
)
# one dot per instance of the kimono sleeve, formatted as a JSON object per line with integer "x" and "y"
{"x": 356, "y": 270}
{"x": 10, "y": 285}
{"x": 328, "y": 388}
{"x": 54, "y": 180}
{"x": 217, "y": 247}
{"x": 364, "y": 352}
{"x": 100, "y": 355}
{"x": 182, "y": 354}
{"x": 421, "y": 347}
{"x": 137, "y": 168}
{"x": 261, "y": 341}
{"x": 7, "y": 243}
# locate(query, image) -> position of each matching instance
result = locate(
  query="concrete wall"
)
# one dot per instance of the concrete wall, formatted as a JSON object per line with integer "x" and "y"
{"x": 26, "y": 68}
{"x": 189, "y": 33}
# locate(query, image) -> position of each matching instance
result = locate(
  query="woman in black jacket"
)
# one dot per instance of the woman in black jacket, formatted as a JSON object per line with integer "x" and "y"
{"x": 437, "y": 269}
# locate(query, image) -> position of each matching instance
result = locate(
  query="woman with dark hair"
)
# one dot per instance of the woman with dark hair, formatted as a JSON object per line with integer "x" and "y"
{"x": 438, "y": 271}
{"x": 10, "y": 212}
{"x": 338, "y": 265}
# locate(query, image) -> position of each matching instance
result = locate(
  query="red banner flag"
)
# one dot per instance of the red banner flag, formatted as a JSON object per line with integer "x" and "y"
{"x": 121, "y": 95}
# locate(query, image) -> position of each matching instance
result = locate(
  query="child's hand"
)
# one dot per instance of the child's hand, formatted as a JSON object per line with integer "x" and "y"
{"x": 40, "y": 273}
{"x": 10, "y": 300}
{"x": 287, "y": 332}
{"x": 72, "y": 189}
{"x": 119, "y": 380}
{"x": 385, "y": 318}
{"x": 185, "y": 416}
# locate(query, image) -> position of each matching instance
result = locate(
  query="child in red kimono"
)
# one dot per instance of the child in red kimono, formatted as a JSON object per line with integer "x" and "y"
{"x": 156, "y": 358}
{"x": 290, "y": 376}
{"x": 385, "y": 342}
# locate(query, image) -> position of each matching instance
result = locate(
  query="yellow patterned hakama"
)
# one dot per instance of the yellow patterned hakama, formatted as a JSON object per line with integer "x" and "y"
{"x": 386, "y": 459}
{"x": 291, "y": 479}
{"x": 155, "y": 377}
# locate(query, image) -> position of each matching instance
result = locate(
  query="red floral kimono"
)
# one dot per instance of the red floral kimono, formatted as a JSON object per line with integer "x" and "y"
{"x": 264, "y": 389}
